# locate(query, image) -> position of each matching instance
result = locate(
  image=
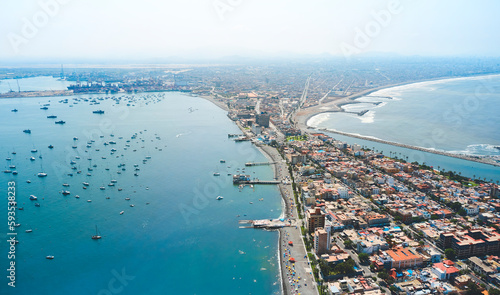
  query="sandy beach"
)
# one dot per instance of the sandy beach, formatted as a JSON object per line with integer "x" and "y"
{"x": 296, "y": 276}
{"x": 302, "y": 117}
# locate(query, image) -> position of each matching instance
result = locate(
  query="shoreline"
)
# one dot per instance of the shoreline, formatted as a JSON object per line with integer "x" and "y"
{"x": 302, "y": 118}
{"x": 437, "y": 152}
{"x": 301, "y": 269}
{"x": 304, "y": 115}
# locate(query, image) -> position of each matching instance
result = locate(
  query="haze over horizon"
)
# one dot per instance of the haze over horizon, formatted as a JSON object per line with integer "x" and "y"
{"x": 73, "y": 30}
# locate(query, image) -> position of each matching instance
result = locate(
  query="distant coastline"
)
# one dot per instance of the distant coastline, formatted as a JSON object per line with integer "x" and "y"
{"x": 303, "y": 117}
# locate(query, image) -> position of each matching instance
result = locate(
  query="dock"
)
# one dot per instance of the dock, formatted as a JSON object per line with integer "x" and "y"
{"x": 234, "y": 135}
{"x": 241, "y": 138}
{"x": 264, "y": 223}
{"x": 259, "y": 163}
{"x": 245, "y": 179}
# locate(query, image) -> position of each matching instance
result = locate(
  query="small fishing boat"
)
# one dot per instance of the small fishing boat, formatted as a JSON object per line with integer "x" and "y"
{"x": 50, "y": 257}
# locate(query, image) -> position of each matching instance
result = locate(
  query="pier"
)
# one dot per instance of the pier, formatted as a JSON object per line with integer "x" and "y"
{"x": 241, "y": 138}
{"x": 259, "y": 163}
{"x": 264, "y": 223}
{"x": 245, "y": 179}
{"x": 234, "y": 135}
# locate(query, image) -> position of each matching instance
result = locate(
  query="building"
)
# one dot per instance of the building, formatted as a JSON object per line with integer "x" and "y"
{"x": 445, "y": 270}
{"x": 371, "y": 244}
{"x": 404, "y": 258}
{"x": 471, "y": 242}
{"x": 263, "y": 120}
{"x": 315, "y": 218}
{"x": 321, "y": 241}
{"x": 377, "y": 220}
{"x": 480, "y": 266}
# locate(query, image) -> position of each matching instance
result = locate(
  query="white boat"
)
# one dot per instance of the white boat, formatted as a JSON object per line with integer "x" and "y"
{"x": 42, "y": 174}
{"x": 32, "y": 158}
{"x": 50, "y": 257}
{"x": 216, "y": 174}
{"x": 220, "y": 198}
{"x": 86, "y": 183}
{"x": 33, "y": 198}
{"x": 29, "y": 230}
{"x": 96, "y": 236}
{"x": 121, "y": 212}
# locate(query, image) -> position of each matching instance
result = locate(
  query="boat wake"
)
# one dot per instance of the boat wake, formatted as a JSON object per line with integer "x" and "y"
{"x": 483, "y": 149}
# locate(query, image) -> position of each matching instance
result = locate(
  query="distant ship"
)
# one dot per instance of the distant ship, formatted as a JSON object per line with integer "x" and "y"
{"x": 44, "y": 108}
{"x": 14, "y": 110}
{"x": 98, "y": 112}
{"x": 27, "y": 131}
{"x": 60, "y": 122}
{"x": 51, "y": 117}
{"x": 96, "y": 236}
{"x": 42, "y": 174}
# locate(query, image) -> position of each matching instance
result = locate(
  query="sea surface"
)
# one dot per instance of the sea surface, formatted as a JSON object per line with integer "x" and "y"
{"x": 457, "y": 115}
{"x": 177, "y": 239}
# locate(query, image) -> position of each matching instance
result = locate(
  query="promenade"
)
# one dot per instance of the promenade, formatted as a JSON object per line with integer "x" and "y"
{"x": 297, "y": 276}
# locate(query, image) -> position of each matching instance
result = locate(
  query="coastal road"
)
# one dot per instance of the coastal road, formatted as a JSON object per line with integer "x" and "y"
{"x": 298, "y": 273}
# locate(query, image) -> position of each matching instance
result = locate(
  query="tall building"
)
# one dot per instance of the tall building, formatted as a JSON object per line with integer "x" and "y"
{"x": 321, "y": 241}
{"x": 315, "y": 218}
{"x": 263, "y": 120}
{"x": 469, "y": 243}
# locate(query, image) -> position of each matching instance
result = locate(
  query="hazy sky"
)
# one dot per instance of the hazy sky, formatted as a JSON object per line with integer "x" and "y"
{"x": 133, "y": 29}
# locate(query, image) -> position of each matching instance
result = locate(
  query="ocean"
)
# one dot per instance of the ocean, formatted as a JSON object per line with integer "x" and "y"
{"x": 176, "y": 239}
{"x": 457, "y": 115}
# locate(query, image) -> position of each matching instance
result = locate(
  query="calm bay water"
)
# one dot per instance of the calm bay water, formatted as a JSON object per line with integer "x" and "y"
{"x": 177, "y": 239}
{"x": 454, "y": 115}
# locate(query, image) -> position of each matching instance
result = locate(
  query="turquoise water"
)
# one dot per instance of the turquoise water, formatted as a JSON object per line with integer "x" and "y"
{"x": 177, "y": 239}
{"x": 453, "y": 115}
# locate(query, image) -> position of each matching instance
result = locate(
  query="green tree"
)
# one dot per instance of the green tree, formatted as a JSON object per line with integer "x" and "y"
{"x": 450, "y": 254}
{"x": 348, "y": 243}
{"x": 472, "y": 289}
{"x": 494, "y": 291}
{"x": 363, "y": 257}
